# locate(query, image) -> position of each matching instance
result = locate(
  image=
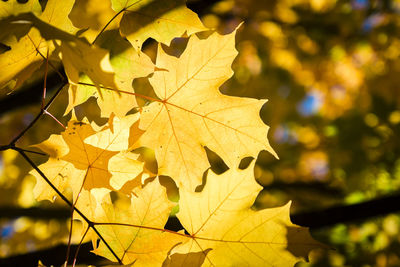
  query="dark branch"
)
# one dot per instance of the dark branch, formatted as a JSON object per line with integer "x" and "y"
{"x": 348, "y": 213}
{"x": 55, "y": 256}
{"x": 314, "y": 220}
{"x": 89, "y": 222}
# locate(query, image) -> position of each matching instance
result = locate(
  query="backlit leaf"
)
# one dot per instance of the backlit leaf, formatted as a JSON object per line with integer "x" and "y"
{"x": 24, "y": 53}
{"x": 158, "y": 19}
{"x": 22, "y": 59}
{"x": 114, "y": 92}
{"x": 246, "y": 237}
{"x": 137, "y": 233}
{"x": 192, "y": 113}
{"x": 87, "y": 164}
{"x": 13, "y": 7}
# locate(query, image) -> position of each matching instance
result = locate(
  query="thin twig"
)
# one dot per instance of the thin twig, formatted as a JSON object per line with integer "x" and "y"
{"x": 38, "y": 115}
{"x": 72, "y": 214}
{"x": 89, "y": 222}
{"x": 114, "y": 17}
{"x": 70, "y": 236}
{"x": 79, "y": 246}
{"x": 54, "y": 118}
{"x": 45, "y": 58}
{"x": 45, "y": 80}
{"x": 108, "y": 23}
{"x": 124, "y": 92}
{"x": 28, "y": 151}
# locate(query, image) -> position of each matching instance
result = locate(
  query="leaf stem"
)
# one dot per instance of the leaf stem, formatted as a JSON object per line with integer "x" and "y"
{"x": 114, "y": 17}
{"x": 145, "y": 227}
{"x": 105, "y": 26}
{"x": 38, "y": 115}
{"x": 54, "y": 118}
{"x": 124, "y": 92}
{"x": 45, "y": 80}
{"x": 79, "y": 246}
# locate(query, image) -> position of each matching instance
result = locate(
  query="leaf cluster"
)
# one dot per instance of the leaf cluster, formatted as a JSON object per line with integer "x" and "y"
{"x": 99, "y": 46}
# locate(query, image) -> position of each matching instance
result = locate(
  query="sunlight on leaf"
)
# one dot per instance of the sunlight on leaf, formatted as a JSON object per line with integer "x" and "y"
{"x": 192, "y": 113}
{"x": 14, "y": 7}
{"x": 136, "y": 234}
{"x": 247, "y": 237}
{"x": 81, "y": 164}
{"x": 160, "y": 20}
{"x": 92, "y": 16}
{"x": 22, "y": 60}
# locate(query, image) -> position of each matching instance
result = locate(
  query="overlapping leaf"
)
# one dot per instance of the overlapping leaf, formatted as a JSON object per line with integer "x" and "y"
{"x": 118, "y": 96}
{"x": 22, "y": 60}
{"x": 189, "y": 114}
{"x": 136, "y": 233}
{"x": 79, "y": 57}
{"x": 26, "y": 54}
{"x": 158, "y": 19}
{"x": 92, "y": 16}
{"x": 192, "y": 113}
{"x": 220, "y": 219}
{"x": 86, "y": 164}
{"x": 10, "y": 9}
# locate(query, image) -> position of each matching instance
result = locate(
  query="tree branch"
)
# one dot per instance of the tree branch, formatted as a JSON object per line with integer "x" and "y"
{"x": 314, "y": 220}
{"x": 56, "y": 256}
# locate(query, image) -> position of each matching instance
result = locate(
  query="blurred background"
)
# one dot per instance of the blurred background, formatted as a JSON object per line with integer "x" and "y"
{"x": 331, "y": 72}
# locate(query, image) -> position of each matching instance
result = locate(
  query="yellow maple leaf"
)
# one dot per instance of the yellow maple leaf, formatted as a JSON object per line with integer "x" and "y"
{"x": 189, "y": 259}
{"x": 80, "y": 159}
{"x": 136, "y": 233}
{"x": 83, "y": 156}
{"x": 192, "y": 113}
{"x": 127, "y": 64}
{"x": 14, "y": 7}
{"x": 23, "y": 58}
{"x": 114, "y": 136}
{"x": 93, "y": 15}
{"x": 11, "y": 9}
{"x": 220, "y": 220}
{"x": 79, "y": 57}
{"x": 158, "y": 19}
{"x": 56, "y": 14}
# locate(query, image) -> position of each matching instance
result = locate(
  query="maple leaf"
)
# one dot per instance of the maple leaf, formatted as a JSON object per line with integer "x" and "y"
{"x": 93, "y": 160}
{"x": 93, "y": 15}
{"x": 220, "y": 218}
{"x": 114, "y": 136}
{"x": 101, "y": 161}
{"x": 136, "y": 233}
{"x": 158, "y": 19}
{"x": 56, "y": 14}
{"x": 13, "y": 7}
{"x": 192, "y": 113}
{"x": 127, "y": 64}
{"x": 23, "y": 58}
{"x": 189, "y": 113}
{"x": 188, "y": 259}
{"x": 79, "y": 57}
